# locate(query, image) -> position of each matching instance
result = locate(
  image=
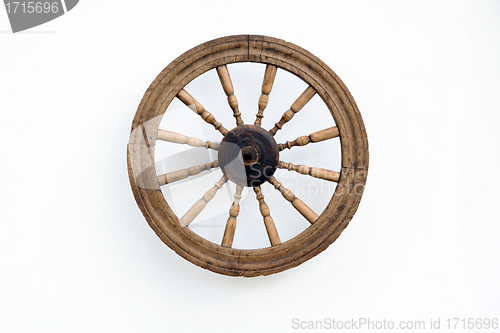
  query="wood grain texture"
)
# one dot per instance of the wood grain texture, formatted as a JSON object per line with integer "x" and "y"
{"x": 194, "y": 105}
{"x": 196, "y": 209}
{"x": 298, "y": 204}
{"x": 268, "y": 220}
{"x": 318, "y": 136}
{"x": 296, "y": 107}
{"x": 183, "y": 139}
{"x": 227, "y": 85}
{"x": 177, "y": 175}
{"x": 267, "y": 85}
{"x": 343, "y": 203}
{"x": 320, "y": 173}
{"x": 227, "y": 239}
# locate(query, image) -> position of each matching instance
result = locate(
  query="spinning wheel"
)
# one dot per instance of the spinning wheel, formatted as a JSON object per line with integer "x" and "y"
{"x": 248, "y": 155}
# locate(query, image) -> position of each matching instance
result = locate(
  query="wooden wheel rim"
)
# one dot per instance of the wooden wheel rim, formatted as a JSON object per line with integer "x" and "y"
{"x": 344, "y": 201}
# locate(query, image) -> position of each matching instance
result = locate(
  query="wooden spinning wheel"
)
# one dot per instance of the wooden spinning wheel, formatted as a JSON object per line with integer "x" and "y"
{"x": 248, "y": 156}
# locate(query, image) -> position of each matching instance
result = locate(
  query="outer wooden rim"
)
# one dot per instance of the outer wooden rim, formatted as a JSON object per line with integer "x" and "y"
{"x": 313, "y": 240}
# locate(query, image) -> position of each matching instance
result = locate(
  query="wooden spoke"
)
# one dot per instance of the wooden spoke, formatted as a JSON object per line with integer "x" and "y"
{"x": 227, "y": 85}
{"x": 227, "y": 240}
{"x": 325, "y": 174}
{"x": 174, "y": 176}
{"x": 267, "y": 85}
{"x": 194, "y": 105}
{"x": 296, "y": 107}
{"x": 318, "y": 136}
{"x": 183, "y": 139}
{"x": 268, "y": 220}
{"x": 299, "y": 205}
{"x": 200, "y": 204}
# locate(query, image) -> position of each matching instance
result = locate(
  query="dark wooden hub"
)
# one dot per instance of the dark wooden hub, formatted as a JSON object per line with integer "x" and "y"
{"x": 248, "y": 155}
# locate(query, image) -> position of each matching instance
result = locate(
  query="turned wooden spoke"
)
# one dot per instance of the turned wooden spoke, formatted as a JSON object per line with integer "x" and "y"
{"x": 268, "y": 220}
{"x": 296, "y": 107}
{"x": 227, "y": 240}
{"x": 318, "y": 136}
{"x": 325, "y": 174}
{"x": 299, "y": 205}
{"x": 183, "y": 139}
{"x": 200, "y": 204}
{"x": 194, "y": 105}
{"x": 267, "y": 85}
{"x": 184, "y": 173}
{"x": 227, "y": 85}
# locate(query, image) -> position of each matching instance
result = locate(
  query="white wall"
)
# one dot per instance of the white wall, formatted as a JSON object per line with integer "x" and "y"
{"x": 76, "y": 254}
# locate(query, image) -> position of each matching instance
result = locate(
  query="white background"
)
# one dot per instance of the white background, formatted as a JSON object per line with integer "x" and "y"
{"x": 76, "y": 254}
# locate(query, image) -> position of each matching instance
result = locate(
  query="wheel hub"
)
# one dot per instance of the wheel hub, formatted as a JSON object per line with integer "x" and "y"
{"x": 248, "y": 155}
